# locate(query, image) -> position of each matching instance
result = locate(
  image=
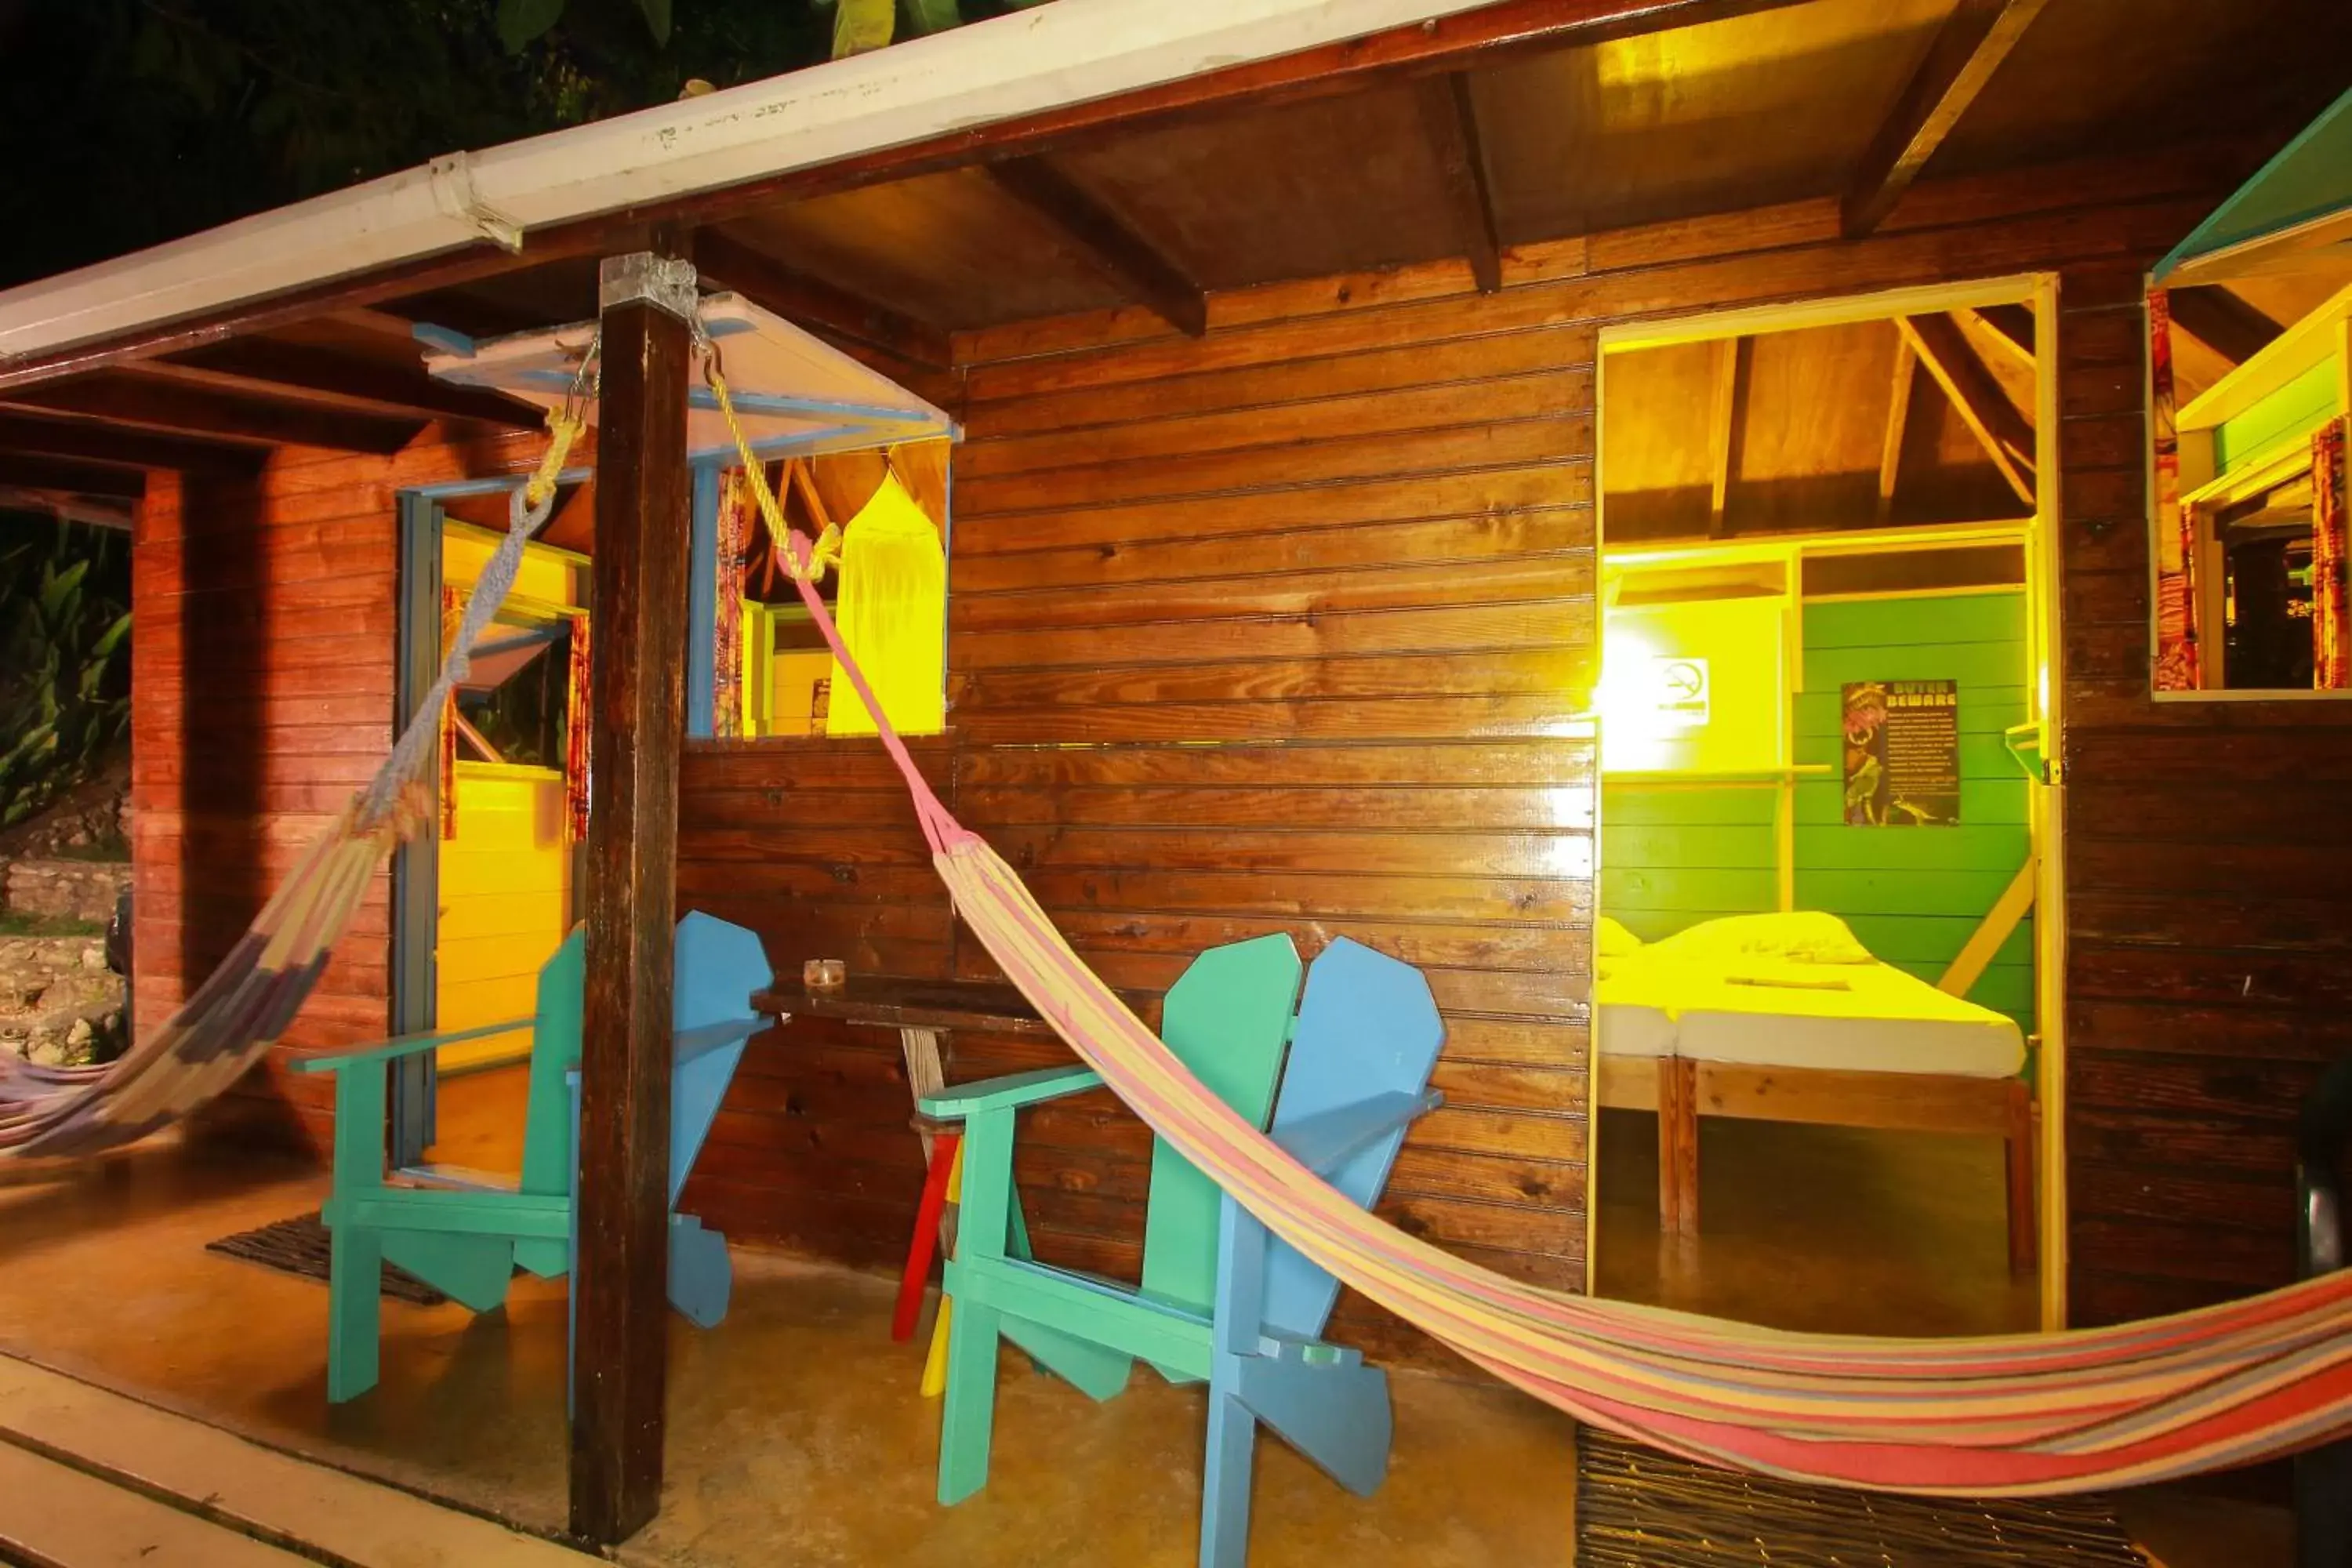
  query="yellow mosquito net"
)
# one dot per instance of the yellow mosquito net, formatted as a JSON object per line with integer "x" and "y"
{"x": 893, "y": 616}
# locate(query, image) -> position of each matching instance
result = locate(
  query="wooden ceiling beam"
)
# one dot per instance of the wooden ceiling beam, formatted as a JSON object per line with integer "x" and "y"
{"x": 271, "y": 367}
{"x": 2007, "y": 438}
{"x": 149, "y": 396}
{"x": 1899, "y": 424}
{"x": 1450, "y": 120}
{"x": 1473, "y": 39}
{"x": 88, "y": 441}
{"x": 728, "y": 263}
{"x": 1116, "y": 248}
{"x": 1725, "y": 403}
{"x": 2222, "y": 321}
{"x": 63, "y": 474}
{"x": 2011, "y": 326}
{"x": 1974, "y": 40}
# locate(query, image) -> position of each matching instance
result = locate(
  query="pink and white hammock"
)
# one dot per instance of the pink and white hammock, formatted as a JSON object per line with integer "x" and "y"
{"x": 2010, "y": 1414}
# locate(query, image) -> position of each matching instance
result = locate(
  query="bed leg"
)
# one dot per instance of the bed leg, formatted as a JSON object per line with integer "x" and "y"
{"x": 1677, "y": 1146}
{"x": 2024, "y": 1249}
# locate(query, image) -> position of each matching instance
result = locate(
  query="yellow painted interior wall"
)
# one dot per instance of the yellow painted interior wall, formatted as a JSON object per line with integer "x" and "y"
{"x": 546, "y": 574}
{"x": 792, "y": 687}
{"x": 1743, "y": 645}
{"x": 506, "y": 902}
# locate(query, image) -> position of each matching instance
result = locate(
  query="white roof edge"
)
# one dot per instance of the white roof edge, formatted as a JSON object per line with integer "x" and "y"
{"x": 1071, "y": 51}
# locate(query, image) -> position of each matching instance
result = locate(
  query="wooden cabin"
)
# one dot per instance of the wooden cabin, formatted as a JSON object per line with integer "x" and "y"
{"x": 1325, "y": 415}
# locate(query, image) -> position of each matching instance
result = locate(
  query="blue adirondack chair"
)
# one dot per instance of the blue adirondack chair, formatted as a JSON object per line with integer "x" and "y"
{"x": 1221, "y": 1300}
{"x": 467, "y": 1234}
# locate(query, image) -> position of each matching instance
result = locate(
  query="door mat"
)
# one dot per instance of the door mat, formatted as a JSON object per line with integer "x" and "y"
{"x": 300, "y": 1246}
{"x": 1636, "y": 1508}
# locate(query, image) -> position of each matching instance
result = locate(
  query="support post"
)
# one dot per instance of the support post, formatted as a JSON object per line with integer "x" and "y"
{"x": 702, "y": 607}
{"x": 635, "y": 705}
{"x": 416, "y": 864}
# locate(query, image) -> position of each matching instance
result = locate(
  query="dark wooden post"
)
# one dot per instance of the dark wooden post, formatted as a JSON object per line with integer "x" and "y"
{"x": 635, "y": 702}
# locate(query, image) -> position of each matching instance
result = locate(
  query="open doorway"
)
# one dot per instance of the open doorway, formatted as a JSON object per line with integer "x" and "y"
{"x": 487, "y": 896}
{"x": 1824, "y": 1038}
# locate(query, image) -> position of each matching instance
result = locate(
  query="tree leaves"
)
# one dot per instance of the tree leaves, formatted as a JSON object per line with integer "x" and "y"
{"x": 859, "y": 26}
{"x": 64, "y": 698}
{"x": 521, "y": 21}
{"x": 927, "y": 16}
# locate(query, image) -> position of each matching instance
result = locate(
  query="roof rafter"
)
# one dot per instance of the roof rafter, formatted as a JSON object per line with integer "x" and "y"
{"x": 1724, "y": 406}
{"x": 2222, "y": 321}
{"x": 1485, "y": 36}
{"x": 269, "y": 366}
{"x": 1975, "y": 38}
{"x": 1898, "y": 423}
{"x": 154, "y": 396}
{"x": 1117, "y": 249}
{"x": 70, "y": 476}
{"x": 1451, "y": 120}
{"x": 1944, "y": 349}
{"x": 728, "y": 263}
{"x": 66, "y": 435}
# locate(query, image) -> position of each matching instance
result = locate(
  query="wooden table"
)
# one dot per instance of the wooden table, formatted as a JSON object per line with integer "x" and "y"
{"x": 922, "y": 1011}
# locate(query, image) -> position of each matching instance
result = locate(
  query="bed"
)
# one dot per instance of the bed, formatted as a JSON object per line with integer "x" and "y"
{"x": 1786, "y": 1019}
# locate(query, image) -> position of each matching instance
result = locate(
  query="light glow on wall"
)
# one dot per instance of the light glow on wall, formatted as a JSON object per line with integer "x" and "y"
{"x": 1697, "y": 685}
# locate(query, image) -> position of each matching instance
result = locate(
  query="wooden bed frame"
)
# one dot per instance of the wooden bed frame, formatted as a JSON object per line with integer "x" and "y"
{"x": 1680, "y": 1091}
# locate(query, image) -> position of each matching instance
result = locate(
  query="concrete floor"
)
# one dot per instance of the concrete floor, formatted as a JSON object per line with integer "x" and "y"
{"x": 1844, "y": 1230}
{"x": 796, "y": 1431}
{"x": 797, "y": 1434}
{"x": 1831, "y": 1229}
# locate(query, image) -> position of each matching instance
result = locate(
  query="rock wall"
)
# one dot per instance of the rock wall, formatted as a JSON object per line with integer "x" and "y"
{"x": 65, "y": 890}
{"x": 60, "y": 1005}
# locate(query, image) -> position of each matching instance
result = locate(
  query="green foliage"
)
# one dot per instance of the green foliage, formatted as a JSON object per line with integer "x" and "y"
{"x": 925, "y": 16}
{"x": 46, "y": 925}
{"x": 65, "y": 698}
{"x": 156, "y": 118}
{"x": 521, "y": 21}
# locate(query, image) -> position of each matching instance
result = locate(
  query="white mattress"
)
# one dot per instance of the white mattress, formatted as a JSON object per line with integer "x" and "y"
{"x": 1870, "y": 1017}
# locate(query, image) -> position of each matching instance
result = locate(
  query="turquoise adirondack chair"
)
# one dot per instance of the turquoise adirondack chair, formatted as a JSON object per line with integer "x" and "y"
{"x": 1221, "y": 1300}
{"x": 464, "y": 1234}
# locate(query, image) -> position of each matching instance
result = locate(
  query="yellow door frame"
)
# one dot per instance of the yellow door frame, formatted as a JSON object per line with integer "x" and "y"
{"x": 2046, "y": 814}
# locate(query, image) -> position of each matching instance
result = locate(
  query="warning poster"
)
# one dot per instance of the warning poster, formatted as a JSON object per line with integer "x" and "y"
{"x": 1901, "y": 753}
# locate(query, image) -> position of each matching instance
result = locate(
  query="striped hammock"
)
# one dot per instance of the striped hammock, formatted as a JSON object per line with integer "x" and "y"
{"x": 2014, "y": 1415}
{"x": 231, "y": 1021}
{"x": 2019, "y": 1415}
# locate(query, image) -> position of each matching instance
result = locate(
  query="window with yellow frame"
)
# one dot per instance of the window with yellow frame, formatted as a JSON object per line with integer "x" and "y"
{"x": 880, "y": 517}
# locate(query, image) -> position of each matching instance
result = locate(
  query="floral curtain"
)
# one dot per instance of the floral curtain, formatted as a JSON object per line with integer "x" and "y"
{"x": 727, "y": 656}
{"x": 576, "y": 736}
{"x": 2331, "y": 637}
{"x": 2176, "y": 663}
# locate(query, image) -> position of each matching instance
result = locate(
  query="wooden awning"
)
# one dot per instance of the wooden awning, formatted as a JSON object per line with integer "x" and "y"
{"x": 2297, "y": 206}
{"x": 797, "y": 394}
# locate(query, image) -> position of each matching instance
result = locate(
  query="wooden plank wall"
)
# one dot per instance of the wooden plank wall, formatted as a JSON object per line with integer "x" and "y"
{"x": 261, "y": 675}
{"x": 1345, "y": 538}
{"x": 262, "y": 670}
{"x": 1344, "y": 535}
{"x": 1365, "y": 581}
{"x": 2209, "y": 972}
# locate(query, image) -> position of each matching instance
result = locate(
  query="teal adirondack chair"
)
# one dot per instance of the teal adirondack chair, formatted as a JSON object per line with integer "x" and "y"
{"x": 464, "y": 1234}
{"x": 1221, "y": 1300}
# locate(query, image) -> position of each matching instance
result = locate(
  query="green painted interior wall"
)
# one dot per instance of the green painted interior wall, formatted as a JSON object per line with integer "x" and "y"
{"x": 2298, "y": 409}
{"x": 1915, "y": 895}
{"x": 1671, "y": 857}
